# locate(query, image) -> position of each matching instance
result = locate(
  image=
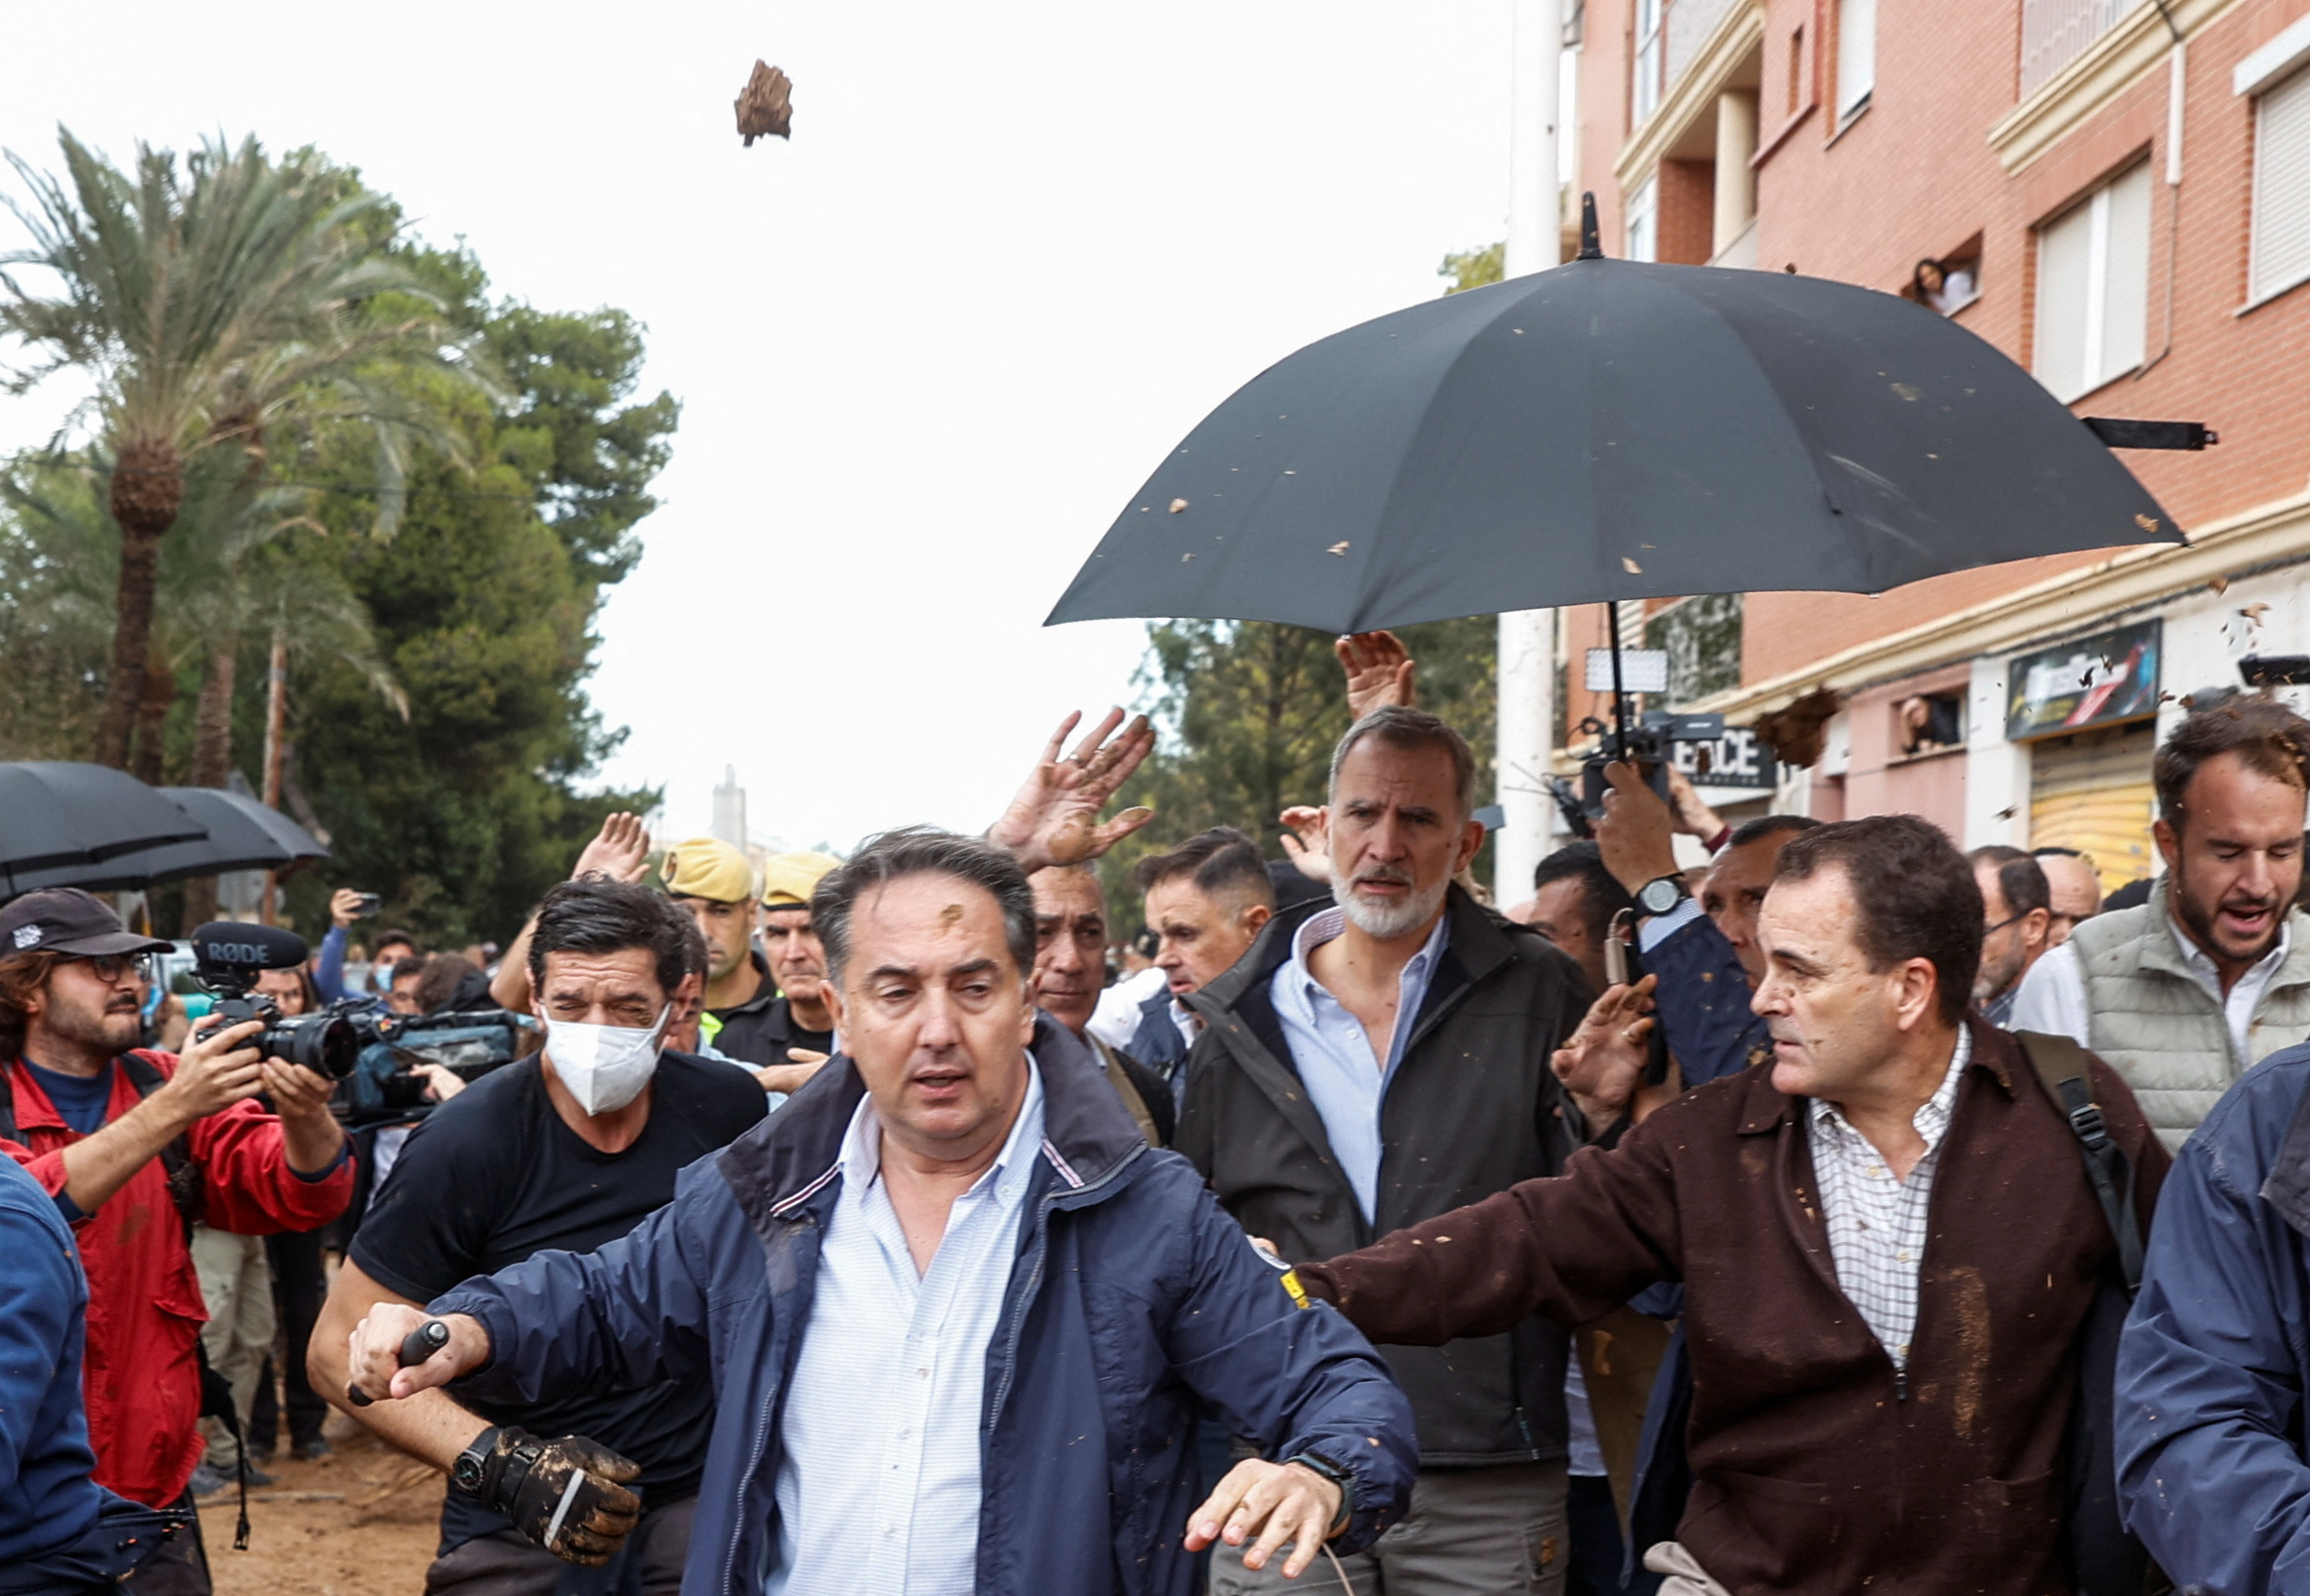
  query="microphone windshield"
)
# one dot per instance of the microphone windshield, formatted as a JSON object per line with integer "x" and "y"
{"x": 249, "y": 947}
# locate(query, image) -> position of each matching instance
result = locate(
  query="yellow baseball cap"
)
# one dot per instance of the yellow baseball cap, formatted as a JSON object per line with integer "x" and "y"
{"x": 788, "y": 879}
{"x": 709, "y": 868}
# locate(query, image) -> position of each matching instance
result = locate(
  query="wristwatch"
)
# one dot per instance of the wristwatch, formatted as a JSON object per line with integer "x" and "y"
{"x": 467, "y": 1473}
{"x": 1661, "y": 893}
{"x": 1318, "y": 1463}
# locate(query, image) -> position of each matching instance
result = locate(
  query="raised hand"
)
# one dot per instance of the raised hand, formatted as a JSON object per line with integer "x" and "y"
{"x": 1693, "y": 817}
{"x": 620, "y": 851}
{"x": 1379, "y": 671}
{"x": 1307, "y": 841}
{"x": 1603, "y": 1061}
{"x": 1054, "y": 820}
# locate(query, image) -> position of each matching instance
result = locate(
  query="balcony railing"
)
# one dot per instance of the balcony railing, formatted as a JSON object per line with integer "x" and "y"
{"x": 2055, "y": 33}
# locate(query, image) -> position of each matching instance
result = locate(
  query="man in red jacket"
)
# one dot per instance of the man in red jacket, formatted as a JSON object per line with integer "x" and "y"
{"x": 133, "y": 1145}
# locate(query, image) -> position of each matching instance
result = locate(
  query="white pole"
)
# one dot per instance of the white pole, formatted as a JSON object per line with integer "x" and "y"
{"x": 1528, "y": 638}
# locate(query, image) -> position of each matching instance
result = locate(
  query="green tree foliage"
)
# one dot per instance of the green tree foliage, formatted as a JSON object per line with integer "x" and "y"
{"x": 213, "y": 307}
{"x": 483, "y": 605}
{"x": 517, "y": 512}
{"x": 1475, "y": 267}
{"x": 1248, "y": 712}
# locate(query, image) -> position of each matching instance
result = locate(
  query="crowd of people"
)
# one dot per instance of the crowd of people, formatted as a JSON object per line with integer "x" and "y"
{"x": 1848, "y": 1212}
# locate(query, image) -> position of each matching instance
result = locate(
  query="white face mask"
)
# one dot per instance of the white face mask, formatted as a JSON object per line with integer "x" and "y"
{"x": 605, "y": 1067}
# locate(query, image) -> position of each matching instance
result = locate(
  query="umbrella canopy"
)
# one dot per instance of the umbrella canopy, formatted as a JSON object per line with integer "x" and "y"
{"x": 1608, "y": 430}
{"x": 242, "y": 834}
{"x": 53, "y": 813}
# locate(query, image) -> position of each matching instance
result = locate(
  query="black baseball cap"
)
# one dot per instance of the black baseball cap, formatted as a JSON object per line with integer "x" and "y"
{"x": 66, "y": 919}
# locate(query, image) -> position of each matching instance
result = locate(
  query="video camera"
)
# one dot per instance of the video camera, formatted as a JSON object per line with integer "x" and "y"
{"x": 469, "y": 1044}
{"x": 1650, "y": 748}
{"x": 229, "y": 956}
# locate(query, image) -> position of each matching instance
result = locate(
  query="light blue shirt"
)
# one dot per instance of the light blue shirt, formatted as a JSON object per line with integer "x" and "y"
{"x": 1344, "y": 1081}
{"x": 879, "y": 1487}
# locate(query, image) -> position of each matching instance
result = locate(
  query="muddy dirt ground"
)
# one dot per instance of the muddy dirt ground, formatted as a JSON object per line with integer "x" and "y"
{"x": 360, "y": 1523}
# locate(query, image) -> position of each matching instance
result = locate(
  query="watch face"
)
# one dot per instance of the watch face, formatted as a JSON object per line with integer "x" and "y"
{"x": 468, "y": 1471}
{"x": 1660, "y": 896}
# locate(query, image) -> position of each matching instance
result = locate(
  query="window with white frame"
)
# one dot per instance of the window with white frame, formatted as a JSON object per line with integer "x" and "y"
{"x": 1645, "y": 222}
{"x": 1855, "y": 57}
{"x": 1646, "y": 90}
{"x": 2093, "y": 288}
{"x": 2281, "y": 187}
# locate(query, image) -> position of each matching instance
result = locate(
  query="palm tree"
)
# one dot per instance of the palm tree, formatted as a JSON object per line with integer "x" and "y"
{"x": 230, "y": 573}
{"x": 212, "y": 305}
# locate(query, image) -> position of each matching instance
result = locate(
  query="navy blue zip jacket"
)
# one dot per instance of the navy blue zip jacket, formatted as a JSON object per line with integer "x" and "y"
{"x": 46, "y": 1498}
{"x": 2214, "y": 1371}
{"x": 1132, "y": 1293}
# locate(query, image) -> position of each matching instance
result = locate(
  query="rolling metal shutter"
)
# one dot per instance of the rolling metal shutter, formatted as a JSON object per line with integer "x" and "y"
{"x": 2090, "y": 791}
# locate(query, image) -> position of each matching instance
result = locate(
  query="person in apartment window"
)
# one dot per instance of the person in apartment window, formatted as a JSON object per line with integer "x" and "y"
{"x": 1947, "y": 286}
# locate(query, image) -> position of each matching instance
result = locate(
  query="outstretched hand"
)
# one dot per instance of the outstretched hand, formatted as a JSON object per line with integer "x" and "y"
{"x": 1603, "y": 1061}
{"x": 1281, "y": 1504}
{"x": 1054, "y": 820}
{"x": 1378, "y": 669}
{"x": 620, "y": 851}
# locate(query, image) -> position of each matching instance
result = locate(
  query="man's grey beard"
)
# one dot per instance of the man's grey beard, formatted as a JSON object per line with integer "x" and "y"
{"x": 1378, "y": 919}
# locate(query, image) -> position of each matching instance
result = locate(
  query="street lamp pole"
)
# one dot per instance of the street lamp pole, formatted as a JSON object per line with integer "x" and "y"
{"x": 1528, "y": 638}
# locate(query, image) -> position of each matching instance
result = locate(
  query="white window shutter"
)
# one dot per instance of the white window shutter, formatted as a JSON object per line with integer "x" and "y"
{"x": 1856, "y": 54}
{"x": 2281, "y": 187}
{"x": 2125, "y": 278}
{"x": 2065, "y": 261}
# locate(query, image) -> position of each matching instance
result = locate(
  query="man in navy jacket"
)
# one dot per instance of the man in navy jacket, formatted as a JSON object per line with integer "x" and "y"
{"x": 956, "y": 1311}
{"x": 2213, "y": 1372}
{"x": 61, "y": 1533}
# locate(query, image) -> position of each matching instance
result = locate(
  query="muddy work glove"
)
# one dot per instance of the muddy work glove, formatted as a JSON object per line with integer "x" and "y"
{"x": 566, "y": 1495}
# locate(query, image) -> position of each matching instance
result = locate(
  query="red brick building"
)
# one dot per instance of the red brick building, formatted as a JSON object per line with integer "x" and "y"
{"x": 2117, "y": 196}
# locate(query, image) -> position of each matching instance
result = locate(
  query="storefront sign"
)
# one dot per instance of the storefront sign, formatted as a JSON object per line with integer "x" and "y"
{"x": 1736, "y": 758}
{"x": 2098, "y": 681}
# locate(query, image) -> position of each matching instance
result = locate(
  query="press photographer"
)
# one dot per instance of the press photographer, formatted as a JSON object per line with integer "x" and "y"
{"x": 135, "y": 1146}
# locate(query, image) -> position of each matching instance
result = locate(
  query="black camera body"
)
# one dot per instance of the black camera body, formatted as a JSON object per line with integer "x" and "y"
{"x": 229, "y": 956}
{"x": 1650, "y": 747}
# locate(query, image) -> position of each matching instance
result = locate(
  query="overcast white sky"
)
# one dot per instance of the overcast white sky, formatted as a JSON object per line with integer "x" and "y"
{"x": 926, "y": 351}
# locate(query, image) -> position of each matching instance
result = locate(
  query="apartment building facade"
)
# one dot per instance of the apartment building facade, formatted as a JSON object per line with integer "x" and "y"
{"x": 2116, "y": 194}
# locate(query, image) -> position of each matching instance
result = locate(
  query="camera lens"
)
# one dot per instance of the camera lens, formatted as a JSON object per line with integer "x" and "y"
{"x": 321, "y": 1043}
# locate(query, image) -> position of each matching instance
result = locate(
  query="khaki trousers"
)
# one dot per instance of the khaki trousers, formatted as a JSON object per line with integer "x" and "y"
{"x": 1686, "y": 1577}
{"x": 236, "y": 1287}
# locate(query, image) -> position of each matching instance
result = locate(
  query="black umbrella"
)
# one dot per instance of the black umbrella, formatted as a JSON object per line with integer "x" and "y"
{"x": 242, "y": 834}
{"x": 1608, "y": 430}
{"x": 53, "y": 813}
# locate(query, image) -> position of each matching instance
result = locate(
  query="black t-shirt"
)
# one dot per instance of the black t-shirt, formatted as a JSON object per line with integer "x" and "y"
{"x": 760, "y": 1030}
{"x": 494, "y": 1174}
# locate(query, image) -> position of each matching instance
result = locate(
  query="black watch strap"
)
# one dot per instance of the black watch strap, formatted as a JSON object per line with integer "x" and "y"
{"x": 471, "y": 1469}
{"x": 1662, "y": 894}
{"x": 1339, "y": 1476}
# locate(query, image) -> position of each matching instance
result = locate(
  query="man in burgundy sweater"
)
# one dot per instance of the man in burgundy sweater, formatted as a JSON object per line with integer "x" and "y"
{"x": 1888, "y": 1239}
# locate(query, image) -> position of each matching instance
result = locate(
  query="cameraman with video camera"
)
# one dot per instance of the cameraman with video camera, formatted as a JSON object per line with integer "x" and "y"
{"x": 134, "y": 1145}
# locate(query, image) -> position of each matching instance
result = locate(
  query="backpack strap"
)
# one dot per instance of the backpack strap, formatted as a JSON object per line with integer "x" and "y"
{"x": 2064, "y": 1067}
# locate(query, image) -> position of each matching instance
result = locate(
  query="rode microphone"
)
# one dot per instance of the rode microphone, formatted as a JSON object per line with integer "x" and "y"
{"x": 225, "y": 944}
